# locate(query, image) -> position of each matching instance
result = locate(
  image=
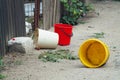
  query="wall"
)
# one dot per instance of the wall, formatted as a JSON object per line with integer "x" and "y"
{"x": 11, "y": 21}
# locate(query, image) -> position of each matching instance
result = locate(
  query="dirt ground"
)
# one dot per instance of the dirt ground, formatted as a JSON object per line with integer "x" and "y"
{"x": 29, "y": 67}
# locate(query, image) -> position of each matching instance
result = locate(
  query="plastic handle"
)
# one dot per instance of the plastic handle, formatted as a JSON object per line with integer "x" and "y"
{"x": 69, "y": 35}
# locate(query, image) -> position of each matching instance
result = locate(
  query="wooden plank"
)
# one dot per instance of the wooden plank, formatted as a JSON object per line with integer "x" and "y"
{"x": 56, "y": 15}
{"x": 51, "y": 13}
{"x": 57, "y": 20}
{"x": 2, "y": 27}
{"x": 11, "y": 21}
{"x": 46, "y": 18}
{"x": 54, "y": 11}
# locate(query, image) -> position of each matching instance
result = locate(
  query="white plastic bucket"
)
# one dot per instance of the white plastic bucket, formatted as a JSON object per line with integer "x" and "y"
{"x": 47, "y": 39}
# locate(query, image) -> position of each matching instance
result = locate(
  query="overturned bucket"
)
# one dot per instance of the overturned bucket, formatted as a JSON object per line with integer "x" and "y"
{"x": 65, "y": 33}
{"x": 45, "y": 39}
{"x": 93, "y": 53}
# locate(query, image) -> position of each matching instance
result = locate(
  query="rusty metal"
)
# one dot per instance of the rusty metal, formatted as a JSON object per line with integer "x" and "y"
{"x": 36, "y": 13}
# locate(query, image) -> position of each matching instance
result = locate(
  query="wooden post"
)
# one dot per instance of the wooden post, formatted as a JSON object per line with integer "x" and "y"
{"x": 54, "y": 11}
{"x": 51, "y": 13}
{"x": 57, "y": 20}
{"x": 46, "y": 13}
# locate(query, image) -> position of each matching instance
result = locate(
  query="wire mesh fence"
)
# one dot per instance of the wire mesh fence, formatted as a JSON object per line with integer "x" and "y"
{"x": 29, "y": 6}
{"x": 49, "y": 12}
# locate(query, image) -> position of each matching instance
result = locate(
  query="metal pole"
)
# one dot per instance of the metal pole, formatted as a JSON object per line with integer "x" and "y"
{"x": 36, "y": 13}
{"x": 35, "y": 24}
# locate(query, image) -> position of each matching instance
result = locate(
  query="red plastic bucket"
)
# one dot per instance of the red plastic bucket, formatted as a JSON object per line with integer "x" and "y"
{"x": 65, "y": 33}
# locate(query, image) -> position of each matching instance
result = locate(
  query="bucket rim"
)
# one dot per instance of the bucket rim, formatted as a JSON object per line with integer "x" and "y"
{"x": 61, "y": 25}
{"x": 106, "y": 53}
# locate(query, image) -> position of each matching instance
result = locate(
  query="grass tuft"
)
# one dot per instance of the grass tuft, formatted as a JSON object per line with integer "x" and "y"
{"x": 2, "y": 76}
{"x": 99, "y": 35}
{"x": 55, "y": 56}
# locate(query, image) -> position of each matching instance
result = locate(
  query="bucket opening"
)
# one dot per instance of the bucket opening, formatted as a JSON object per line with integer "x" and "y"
{"x": 43, "y": 39}
{"x": 93, "y": 53}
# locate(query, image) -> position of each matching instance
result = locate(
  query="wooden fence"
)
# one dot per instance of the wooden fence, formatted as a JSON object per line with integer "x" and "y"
{"x": 11, "y": 21}
{"x": 12, "y": 18}
{"x": 51, "y": 13}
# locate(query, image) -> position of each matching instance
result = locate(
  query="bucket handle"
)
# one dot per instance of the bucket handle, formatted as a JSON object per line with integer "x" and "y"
{"x": 69, "y": 35}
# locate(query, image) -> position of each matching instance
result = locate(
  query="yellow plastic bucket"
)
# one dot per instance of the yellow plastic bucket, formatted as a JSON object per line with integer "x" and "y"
{"x": 93, "y": 53}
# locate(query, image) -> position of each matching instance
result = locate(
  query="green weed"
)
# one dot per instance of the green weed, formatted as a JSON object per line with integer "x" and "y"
{"x": 73, "y": 10}
{"x": 18, "y": 62}
{"x": 54, "y": 56}
{"x": 2, "y": 76}
{"x": 1, "y": 68}
{"x": 1, "y": 64}
{"x": 29, "y": 19}
{"x": 114, "y": 47}
{"x": 99, "y": 35}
